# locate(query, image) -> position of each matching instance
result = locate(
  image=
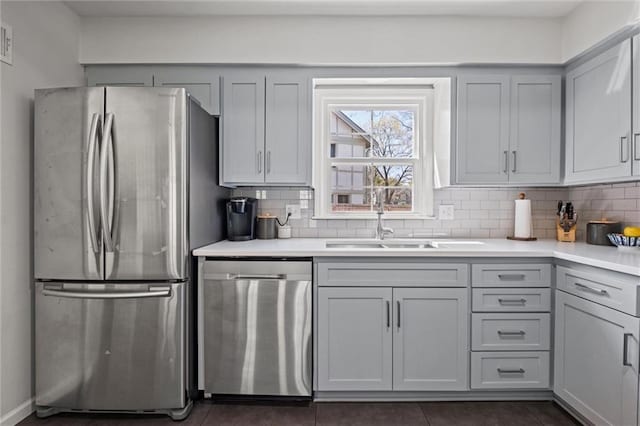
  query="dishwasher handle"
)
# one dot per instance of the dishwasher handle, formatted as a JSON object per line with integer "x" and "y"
{"x": 256, "y": 276}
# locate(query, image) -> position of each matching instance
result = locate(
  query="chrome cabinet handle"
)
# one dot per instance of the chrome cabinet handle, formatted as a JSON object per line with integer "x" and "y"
{"x": 256, "y": 277}
{"x": 398, "y": 304}
{"x": 636, "y": 148}
{"x": 511, "y": 277}
{"x": 599, "y": 291}
{"x": 623, "y": 140}
{"x": 268, "y": 162}
{"x": 107, "y": 186}
{"x": 159, "y": 292}
{"x": 512, "y": 301}
{"x": 259, "y": 161}
{"x": 388, "y": 314}
{"x": 506, "y": 162}
{"x": 511, "y": 333}
{"x": 511, "y": 370}
{"x": 94, "y": 135}
{"x": 513, "y": 169}
{"x": 625, "y": 349}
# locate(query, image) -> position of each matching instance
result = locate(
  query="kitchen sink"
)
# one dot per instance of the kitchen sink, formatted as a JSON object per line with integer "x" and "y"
{"x": 401, "y": 244}
{"x": 379, "y": 244}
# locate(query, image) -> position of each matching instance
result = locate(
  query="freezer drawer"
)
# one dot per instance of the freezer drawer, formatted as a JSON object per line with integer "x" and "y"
{"x": 257, "y": 328}
{"x": 110, "y": 346}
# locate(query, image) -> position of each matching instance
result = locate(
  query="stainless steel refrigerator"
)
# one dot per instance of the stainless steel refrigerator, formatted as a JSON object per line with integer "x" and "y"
{"x": 125, "y": 185}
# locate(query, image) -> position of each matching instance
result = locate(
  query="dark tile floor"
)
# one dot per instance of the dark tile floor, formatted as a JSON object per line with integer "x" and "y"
{"x": 347, "y": 414}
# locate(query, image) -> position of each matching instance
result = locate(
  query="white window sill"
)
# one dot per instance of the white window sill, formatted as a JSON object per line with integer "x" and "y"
{"x": 387, "y": 216}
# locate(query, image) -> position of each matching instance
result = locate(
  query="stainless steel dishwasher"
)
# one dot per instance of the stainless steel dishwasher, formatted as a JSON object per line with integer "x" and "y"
{"x": 255, "y": 327}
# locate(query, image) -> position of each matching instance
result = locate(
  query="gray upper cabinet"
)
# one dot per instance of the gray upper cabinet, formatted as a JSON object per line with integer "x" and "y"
{"x": 242, "y": 130}
{"x": 509, "y": 129}
{"x": 201, "y": 82}
{"x": 535, "y": 129}
{"x": 287, "y": 141}
{"x": 120, "y": 75}
{"x": 430, "y": 342}
{"x": 483, "y": 129}
{"x": 636, "y": 105}
{"x": 598, "y": 118}
{"x": 354, "y": 338}
{"x": 266, "y": 135}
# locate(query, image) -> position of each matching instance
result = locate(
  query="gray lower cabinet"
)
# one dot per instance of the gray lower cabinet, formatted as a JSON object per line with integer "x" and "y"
{"x": 598, "y": 118}
{"x": 411, "y": 339}
{"x": 430, "y": 349}
{"x": 509, "y": 129}
{"x": 354, "y": 338}
{"x": 596, "y": 360}
{"x": 266, "y": 135}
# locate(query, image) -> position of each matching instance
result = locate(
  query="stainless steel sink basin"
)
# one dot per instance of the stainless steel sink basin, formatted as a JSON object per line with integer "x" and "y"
{"x": 402, "y": 244}
{"x": 382, "y": 244}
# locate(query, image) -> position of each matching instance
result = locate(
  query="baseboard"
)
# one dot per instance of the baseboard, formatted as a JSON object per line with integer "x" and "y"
{"x": 19, "y": 413}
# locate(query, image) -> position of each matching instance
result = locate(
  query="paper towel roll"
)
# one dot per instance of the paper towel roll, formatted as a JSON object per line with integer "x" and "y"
{"x": 523, "y": 224}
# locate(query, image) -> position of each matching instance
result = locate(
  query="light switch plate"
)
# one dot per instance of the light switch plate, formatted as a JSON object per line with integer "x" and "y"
{"x": 445, "y": 212}
{"x": 294, "y": 209}
{"x": 6, "y": 43}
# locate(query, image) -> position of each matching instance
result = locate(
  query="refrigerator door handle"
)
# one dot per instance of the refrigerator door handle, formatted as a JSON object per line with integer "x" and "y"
{"x": 153, "y": 292}
{"x": 94, "y": 135}
{"x": 108, "y": 183}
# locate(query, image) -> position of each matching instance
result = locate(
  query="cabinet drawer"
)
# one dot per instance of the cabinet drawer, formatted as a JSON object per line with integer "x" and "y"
{"x": 511, "y": 299}
{"x": 611, "y": 290}
{"x": 509, "y": 370}
{"x": 510, "y": 332}
{"x": 392, "y": 274}
{"x": 513, "y": 275}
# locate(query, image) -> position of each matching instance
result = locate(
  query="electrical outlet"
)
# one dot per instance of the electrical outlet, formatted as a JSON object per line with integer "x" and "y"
{"x": 294, "y": 209}
{"x": 445, "y": 212}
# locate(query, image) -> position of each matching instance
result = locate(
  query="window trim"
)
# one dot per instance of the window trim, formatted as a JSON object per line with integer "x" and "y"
{"x": 415, "y": 93}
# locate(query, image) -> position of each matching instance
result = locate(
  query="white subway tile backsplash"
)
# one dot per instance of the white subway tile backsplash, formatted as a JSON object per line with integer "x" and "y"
{"x": 479, "y": 212}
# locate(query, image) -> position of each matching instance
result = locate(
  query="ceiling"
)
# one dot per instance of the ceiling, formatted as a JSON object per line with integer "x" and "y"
{"x": 510, "y": 8}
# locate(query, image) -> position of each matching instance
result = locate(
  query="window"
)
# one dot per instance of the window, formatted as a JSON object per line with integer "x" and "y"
{"x": 373, "y": 139}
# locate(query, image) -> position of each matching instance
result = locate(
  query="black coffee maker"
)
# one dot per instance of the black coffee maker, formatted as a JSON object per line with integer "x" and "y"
{"x": 241, "y": 218}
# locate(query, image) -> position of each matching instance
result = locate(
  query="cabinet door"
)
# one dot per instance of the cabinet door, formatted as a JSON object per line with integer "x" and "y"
{"x": 201, "y": 82}
{"x": 483, "y": 129}
{"x": 636, "y": 105}
{"x": 535, "y": 129}
{"x": 354, "y": 338}
{"x": 598, "y": 118}
{"x": 288, "y": 139}
{"x": 120, "y": 75}
{"x": 593, "y": 373}
{"x": 430, "y": 343}
{"x": 243, "y": 130}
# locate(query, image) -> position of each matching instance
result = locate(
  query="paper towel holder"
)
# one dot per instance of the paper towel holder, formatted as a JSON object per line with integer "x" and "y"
{"x": 521, "y": 196}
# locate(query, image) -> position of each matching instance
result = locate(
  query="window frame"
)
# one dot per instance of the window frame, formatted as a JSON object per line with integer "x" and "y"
{"x": 415, "y": 94}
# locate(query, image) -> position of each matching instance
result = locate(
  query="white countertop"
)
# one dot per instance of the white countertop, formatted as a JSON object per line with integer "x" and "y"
{"x": 607, "y": 257}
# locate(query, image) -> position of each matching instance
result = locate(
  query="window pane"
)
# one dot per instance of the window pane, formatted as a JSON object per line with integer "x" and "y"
{"x": 392, "y": 134}
{"x": 372, "y": 133}
{"x": 393, "y": 175}
{"x": 354, "y": 188}
{"x": 397, "y": 199}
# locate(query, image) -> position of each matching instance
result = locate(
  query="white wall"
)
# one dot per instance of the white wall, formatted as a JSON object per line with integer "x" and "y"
{"x": 593, "y": 21}
{"x": 320, "y": 40}
{"x": 45, "y": 55}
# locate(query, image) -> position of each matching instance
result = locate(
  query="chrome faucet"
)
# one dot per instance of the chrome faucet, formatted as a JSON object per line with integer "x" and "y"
{"x": 381, "y": 230}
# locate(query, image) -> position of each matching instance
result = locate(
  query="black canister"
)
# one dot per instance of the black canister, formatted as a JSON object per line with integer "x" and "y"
{"x": 597, "y": 231}
{"x": 266, "y": 229}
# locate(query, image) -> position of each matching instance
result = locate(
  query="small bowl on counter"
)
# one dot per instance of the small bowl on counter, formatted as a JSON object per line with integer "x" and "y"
{"x": 625, "y": 243}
